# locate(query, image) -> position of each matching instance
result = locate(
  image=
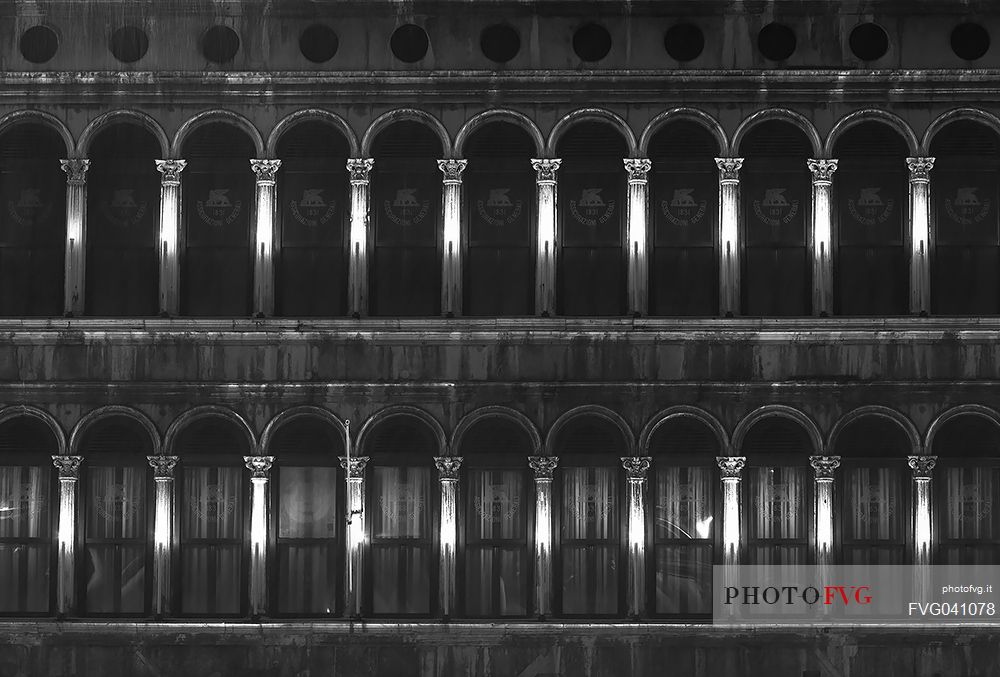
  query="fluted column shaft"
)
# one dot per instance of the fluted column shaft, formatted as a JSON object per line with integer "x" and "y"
{"x": 920, "y": 267}
{"x": 545, "y": 262}
{"x": 263, "y": 269}
{"x": 824, "y": 467}
{"x": 260, "y": 467}
{"x": 448, "y": 467}
{"x": 638, "y": 228}
{"x": 822, "y": 235}
{"x": 729, "y": 235}
{"x": 170, "y": 228}
{"x": 355, "y": 532}
{"x": 451, "y": 265}
{"x": 543, "y": 468}
{"x": 635, "y": 474}
{"x": 357, "y": 283}
{"x": 76, "y": 234}
{"x": 163, "y": 523}
{"x": 69, "y": 474}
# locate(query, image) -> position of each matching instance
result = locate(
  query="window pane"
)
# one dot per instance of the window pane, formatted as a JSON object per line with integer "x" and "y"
{"x": 24, "y": 516}
{"x": 496, "y": 510}
{"x": 874, "y": 503}
{"x": 401, "y": 513}
{"x": 496, "y": 581}
{"x": 25, "y": 569}
{"x": 211, "y": 579}
{"x": 24, "y": 502}
{"x": 308, "y": 578}
{"x": 401, "y": 498}
{"x": 116, "y": 500}
{"x": 684, "y": 579}
{"x": 116, "y": 579}
{"x": 402, "y": 575}
{"x": 683, "y": 503}
{"x": 590, "y": 579}
{"x": 308, "y": 502}
{"x": 212, "y": 508}
{"x": 777, "y": 508}
{"x": 970, "y": 497}
{"x": 590, "y": 569}
{"x": 211, "y": 571}
{"x": 589, "y": 503}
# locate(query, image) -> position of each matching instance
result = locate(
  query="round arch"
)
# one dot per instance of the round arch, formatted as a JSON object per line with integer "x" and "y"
{"x": 783, "y": 114}
{"x": 989, "y": 120}
{"x": 497, "y": 411}
{"x": 683, "y": 411}
{"x": 781, "y": 411}
{"x": 216, "y": 115}
{"x": 591, "y": 410}
{"x": 695, "y": 115}
{"x": 402, "y": 410}
{"x": 882, "y": 412}
{"x": 872, "y": 115}
{"x": 591, "y": 114}
{"x": 299, "y": 412}
{"x": 17, "y": 410}
{"x": 138, "y": 118}
{"x": 109, "y": 411}
{"x": 207, "y": 411}
{"x": 47, "y": 119}
{"x": 499, "y": 115}
{"x": 311, "y": 115}
{"x": 413, "y": 114}
{"x": 960, "y": 410}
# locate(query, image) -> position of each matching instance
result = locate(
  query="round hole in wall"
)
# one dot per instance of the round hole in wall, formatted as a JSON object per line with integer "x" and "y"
{"x": 220, "y": 44}
{"x": 592, "y": 42}
{"x": 869, "y": 42}
{"x": 776, "y": 41}
{"x": 39, "y": 44}
{"x": 409, "y": 43}
{"x": 684, "y": 42}
{"x": 318, "y": 43}
{"x": 500, "y": 42}
{"x": 970, "y": 41}
{"x": 129, "y": 44}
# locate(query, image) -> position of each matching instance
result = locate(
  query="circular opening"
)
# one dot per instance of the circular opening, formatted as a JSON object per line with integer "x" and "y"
{"x": 39, "y": 44}
{"x": 684, "y": 42}
{"x": 318, "y": 43}
{"x": 500, "y": 43}
{"x": 869, "y": 42}
{"x": 969, "y": 41}
{"x": 592, "y": 42}
{"x": 776, "y": 41}
{"x": 409, "y": 43}
{"x": 220, "y": 44}
{"x": 129, "y": 44}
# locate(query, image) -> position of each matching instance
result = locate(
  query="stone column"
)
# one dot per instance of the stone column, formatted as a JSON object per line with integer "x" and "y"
{"x": 922, "y": 467}
{"x": 357, "y": 283}
{"x": 69, "y": 474}
{"x": 263, "y": 269}
{"x": 635, "y": 472}
{"x": 545, "y": 261}
{"x": 448, "y": 475}
{"x": 822, "y": 235}
{"x": 163, "y": 522}
{"x": 451, "y": 265}
{"x": 824, "y": 467}
{"x": 76, "y": 234}
{"x": 543, "y": 467}
{"x": 731, "y": 468}
{"x": 638, "y": 216}
{"x": 729, "y": 235}
{"x": 355, "y": 533}
{"x": 170, "y": 228}
{"x": 920, "y": 267}
{"x": 259, "y": 467}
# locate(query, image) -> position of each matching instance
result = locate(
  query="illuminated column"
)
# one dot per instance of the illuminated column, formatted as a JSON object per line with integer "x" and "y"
{"x": 920, "y": 188}
{"x": 69, "y": 473}
{"x": 922, "y": 467}
{"x": 263, "y": 269}
{"x": 543, "y": 467}
{"x": 638, "y": 267}
{"x": 451, "y": 266}
{"x": 731, "y": 467}
{"x": 259, "y": 467}
{"x": 163, "y": 519}
{"x": 448, "y": 468}
{"x": 824, "y": 466}
{"x": 729, "y": 202}
{"x": 76, "y": 233}
{"x": 545, "y": 262}
{"x": 355, "y": 532}
{"x": 170, "y": 228}
{"x": 357, "y": 283}
{"x": 822, "y": 234}
{"x": 635, "y": 471}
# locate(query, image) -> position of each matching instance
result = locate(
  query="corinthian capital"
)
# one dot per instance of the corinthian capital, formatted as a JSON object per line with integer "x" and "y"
{"x": 922, "y": 466}
{"x": 920, "y": 168}
{"x": 448, "y": 466}
{"x": 357, "y": 469}
{"x": 68, "y": 466}
{"x": 822, "y": 170}
{"x": 452, "y": 170}
{"x": 171, "y": 170}
{"x": 731, "y": 466}
{"x": 637, "y": 169}
{"x": 76, "y": 169}
{"x": 360, "y": 168}
{"x": 636, "y": 466}
{"x": 543, "y": 466}
{"x": 824, "y": 466}
{"x": 258, "y": 465}
{"x": 265, "y": 169}
{"x": 163, "y": 466}
{"x": 729, "y": 168}
{"x": 545, "y": 169}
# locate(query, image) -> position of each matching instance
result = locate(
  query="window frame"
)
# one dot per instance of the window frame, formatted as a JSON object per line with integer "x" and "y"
{"x": 778, "y": 460}
{"x": 940, "y": 509}
{"x": 841, "y": 542}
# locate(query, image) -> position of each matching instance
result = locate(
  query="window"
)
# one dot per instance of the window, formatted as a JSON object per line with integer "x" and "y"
{"x": 26, "y": 498}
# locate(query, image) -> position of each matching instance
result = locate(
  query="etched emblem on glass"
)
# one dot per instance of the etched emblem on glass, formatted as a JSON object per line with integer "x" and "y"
{"x": 498, "y": 209}
{"x": 28, "y": 209}
{"x": 122, "y": 210}
{"x": 775, "y": 208}
{"x": 406, "y": 503}
{"x": 966, "y": 207}
{"x": 973, "y": 505}
{"x": 218, "y": 210}
{"x": 23, "y": 502}
{"x": 592, "y": 504}
{"x": 213, "y": 503}
{"x": 682, "y": 209}
{"x": 869, "y": 207}
{"x": 497, "y": 505}
{"x": 312, "y": 209}
{"x": 116, "y": 502}
{"x": 406, "y": 208}
{"x": 591, "y": 208}
{"x": 875, "y": 503}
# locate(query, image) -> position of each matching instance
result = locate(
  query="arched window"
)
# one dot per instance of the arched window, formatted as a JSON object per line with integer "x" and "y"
{"x": 123, "y": 203}
{"x": 590, "y": 518}
{"x": 966, "y": 483}
{"x": 965, "y": 266}
{"x": 500, "y": 197}
{"x": 682, "y": 520}
{"x": 874, "y": 487}
{"x": 591, "y": 262}
{"x": 684, "y": 185}
{"x": 776, "y": 191}
{"x": 870, "y": 264}
{"x": 496, "y": 524}
{"x": 116, "y": 576}
{"x": 314, "y": 212}
{"x": 212, "y": 511}
{"x": 777, "y": 495}
{"x": 33, "y": 230}
{"x": 403, "y": 518}
{"x": 406, "y": 211}
{"x": 219, "y": 198}
{"x": 27, "y": 497}
{"x": 307, "y": 501}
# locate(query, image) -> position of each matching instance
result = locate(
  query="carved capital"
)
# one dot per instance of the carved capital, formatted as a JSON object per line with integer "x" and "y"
{"x": 452, "y": 170}
{"x": 69, "y": 466}
{"x": 824, "y": 466}
{"x": 920, "y": 168}
{"x": 258, "y": 465}
{"x": 265, "y": 169}
{"x": 76, "y": 169}
{"x": 822, "y": 170}
{"x": 637, "y": 169}
{"x": 171, "y": 170}
{"x": 448, "y": 466}
{"x": 922, "y": 466}
{"x": 729, "y": 168}
{"x": 731, "y": 466}
{"x": 163, "y": 466}
{"x": 545, "y": 169}
{"x": 543, "y": 466}
{"x": 357, "y": 469}
{"x": 360, "y": 168}
{"x": 636, "y": 466}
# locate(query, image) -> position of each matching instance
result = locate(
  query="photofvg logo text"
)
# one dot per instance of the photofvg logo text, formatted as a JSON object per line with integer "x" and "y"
{"x": 756, "y": 595}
